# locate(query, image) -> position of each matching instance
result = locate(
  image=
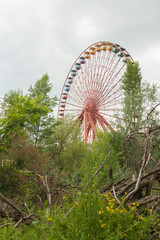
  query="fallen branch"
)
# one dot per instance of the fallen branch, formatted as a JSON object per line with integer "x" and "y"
{"x": 6, "y": 224}
{"x": 22, "y": 219}
{"x": 114, "y": 193}
{"x": 6, "y": 200}
{"x": 17, "y": 209}
{"x": 124, "y": 189}
{"x": 146, "y": 200}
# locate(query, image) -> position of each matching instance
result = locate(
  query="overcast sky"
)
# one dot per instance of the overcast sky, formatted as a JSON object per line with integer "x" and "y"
{"x": 46, "y": 36}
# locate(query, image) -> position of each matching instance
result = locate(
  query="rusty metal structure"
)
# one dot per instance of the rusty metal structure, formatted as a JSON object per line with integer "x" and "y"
{"x": 92, "y": 89}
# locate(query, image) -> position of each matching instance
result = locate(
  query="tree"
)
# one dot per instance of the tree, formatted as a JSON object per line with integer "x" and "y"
{"x": 44, "y": 127}
{"x": 150, "y": 98}
{"x": 139, "y": 99}
{"x": 31, "y": 114}
{"x": 131, "y": 84}
{"x": 20, "y": 116}
{"x": 68, "y": 151}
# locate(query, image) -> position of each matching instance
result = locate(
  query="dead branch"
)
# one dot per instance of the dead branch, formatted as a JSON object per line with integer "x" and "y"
{"x": 49, "y": 196}
{"x": 6, "y": 200}
{"x": 146, "y": 200}
{"x": 22, "y": 219}
{"x": 114, "y": 193}
{"x": 152, "y": 110}
{"x": 129, "y": 185}
{"x": 6, "y": 224}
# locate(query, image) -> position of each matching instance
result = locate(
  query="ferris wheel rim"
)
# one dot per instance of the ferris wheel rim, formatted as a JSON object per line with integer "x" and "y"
{"x": 99, "y": 42}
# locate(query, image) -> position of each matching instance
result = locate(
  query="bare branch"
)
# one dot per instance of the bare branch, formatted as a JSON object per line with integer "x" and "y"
{"x": 152, "y": 110}
{"x": 114, "y": 193}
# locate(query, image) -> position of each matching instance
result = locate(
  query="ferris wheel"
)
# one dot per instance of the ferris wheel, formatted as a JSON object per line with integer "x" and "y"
{"x": 92, "y": 90}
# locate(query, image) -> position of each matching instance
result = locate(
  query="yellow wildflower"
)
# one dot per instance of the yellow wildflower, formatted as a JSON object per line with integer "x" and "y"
{"x": 100, "y": 212}
{"x": 100, "y": 220}
{"x": 49, "y": 219}
{"x": 103, "y": 225}
{"x": 107, "y": 208}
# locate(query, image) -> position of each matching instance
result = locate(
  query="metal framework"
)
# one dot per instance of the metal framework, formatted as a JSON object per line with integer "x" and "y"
{"x": 92, "y": 90}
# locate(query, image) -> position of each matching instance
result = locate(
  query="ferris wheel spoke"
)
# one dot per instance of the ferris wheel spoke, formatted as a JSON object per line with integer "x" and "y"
{"x": 105, "y": 122}
{"x": 111, "y": 80}
{"x": 114, "y": 77}
{"x": 88, "y": 130}
{"x": 77, "y": 92}
{"x": 107, "y": 73}
{"x": 109, "y": 115}
{"x": 81, "y": 86}
{"x": 85, "y": 126}
{"x": 71, "y": 104}
{"x": 115, "y": 100}
{"x": 91, "y": 122}
{"x": 72, "y": 110}
{"x": 112, "y": 90}
{"x": 109, "y": 109}
{"x": 75, "y": 100}
{"x": 100, "y": 120}
{"x": 105, "y": 87}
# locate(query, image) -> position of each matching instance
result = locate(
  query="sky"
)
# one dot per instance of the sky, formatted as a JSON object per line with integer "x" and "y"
{"x": 46, "y": 36}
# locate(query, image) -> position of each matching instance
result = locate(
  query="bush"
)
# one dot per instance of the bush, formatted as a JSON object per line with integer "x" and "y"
{"x": 90, "y": 216}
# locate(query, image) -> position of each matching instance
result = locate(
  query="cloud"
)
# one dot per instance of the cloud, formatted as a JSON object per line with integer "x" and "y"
{"x": 48, "y": 35}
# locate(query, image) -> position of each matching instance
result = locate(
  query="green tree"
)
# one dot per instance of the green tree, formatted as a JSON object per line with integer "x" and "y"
{"x": 131, "y": 84}
{"x": 66, "y": 150}
{"x": 150, "y": 98}
{"x": 20, "y": 116}
{"x": 139, "y": 100}
{"x": 31, "y": 114}
{"x": 45, "y": 125}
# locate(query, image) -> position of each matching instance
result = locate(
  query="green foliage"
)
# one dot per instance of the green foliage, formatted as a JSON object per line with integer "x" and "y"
{"x": 67, "y": 150}
{"x": 98, "y": 152}
{"x": 9, "y": 97}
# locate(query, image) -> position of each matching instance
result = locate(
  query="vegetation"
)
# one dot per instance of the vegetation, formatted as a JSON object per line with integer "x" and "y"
{"x": 54, "y": 186}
